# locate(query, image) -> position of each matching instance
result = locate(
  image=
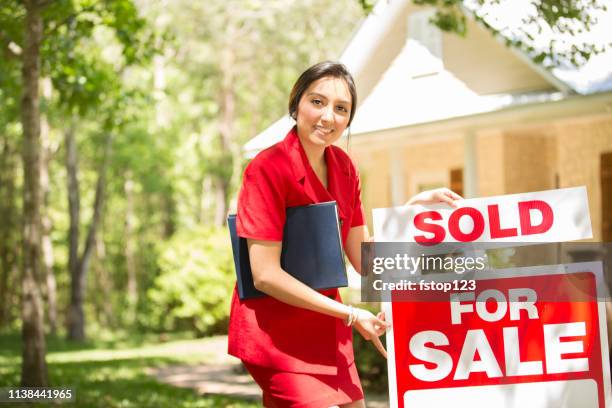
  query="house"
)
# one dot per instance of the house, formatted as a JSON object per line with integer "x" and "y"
{"x": 471, "y": 114}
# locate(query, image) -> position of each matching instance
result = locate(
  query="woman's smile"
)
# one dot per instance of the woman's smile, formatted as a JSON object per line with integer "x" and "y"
{"x": 323, "y": 130}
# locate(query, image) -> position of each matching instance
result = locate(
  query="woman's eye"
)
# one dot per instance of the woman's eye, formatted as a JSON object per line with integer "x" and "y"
{"x": 316, "y": 101}
{"x": 342, "y": 108}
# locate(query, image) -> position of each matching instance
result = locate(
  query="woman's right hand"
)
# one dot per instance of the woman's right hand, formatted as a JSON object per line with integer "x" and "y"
{"x": 438, "y": 195}
{"x": 372, "y": 327}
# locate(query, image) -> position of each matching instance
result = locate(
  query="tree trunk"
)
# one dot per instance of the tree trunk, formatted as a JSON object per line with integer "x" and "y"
{"x": 76, "y": 315}
{"x": 99, "y": 200}
{"x": 130, "y": 249}
{"x": 76, "y": 320}
{"x": 226, "y": 132}
{"x": 169, "y": 206}
{"x": 34, "y": 365}
{"x": 205, "y": 202}
{"x": 48, "y": 261}
{"x": 105, "y": 306}
{"x": 46, "y": 243}
{"x": 203, "y": 189}
{"x": 221, "y": 193}
{"x": 8, "y": 249}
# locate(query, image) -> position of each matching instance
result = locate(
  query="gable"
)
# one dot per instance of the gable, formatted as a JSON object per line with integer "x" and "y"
{"x": 487, "y": 66}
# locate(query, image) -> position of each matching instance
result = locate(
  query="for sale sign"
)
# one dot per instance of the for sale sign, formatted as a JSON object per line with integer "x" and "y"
{"x": 545, "y": 216}
{"x": 524, "y": 337}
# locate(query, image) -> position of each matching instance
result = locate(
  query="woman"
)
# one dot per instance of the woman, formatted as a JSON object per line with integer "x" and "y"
{"x": 297, "y": 342}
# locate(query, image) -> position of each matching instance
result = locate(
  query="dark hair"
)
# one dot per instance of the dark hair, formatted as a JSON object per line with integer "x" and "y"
{"x": 316, "y": 72}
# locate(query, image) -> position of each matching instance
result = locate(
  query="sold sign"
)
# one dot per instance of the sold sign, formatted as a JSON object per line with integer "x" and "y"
{"x": 546, "y": 216}
{"x": 525, "y": 337}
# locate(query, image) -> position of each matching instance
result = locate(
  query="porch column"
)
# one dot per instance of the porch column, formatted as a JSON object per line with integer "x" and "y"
{"x": 470, "y": 165}
{"x": 396, "y": 174}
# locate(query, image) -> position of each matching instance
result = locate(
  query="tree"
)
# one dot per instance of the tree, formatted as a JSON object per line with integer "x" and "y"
{"x": 79, "y": 264}
{"x": 47, "y": 152}
{"x": 34, "y": 366}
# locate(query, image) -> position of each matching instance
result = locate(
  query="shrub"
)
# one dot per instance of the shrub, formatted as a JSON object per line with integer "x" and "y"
{"x": 194, "y": 288}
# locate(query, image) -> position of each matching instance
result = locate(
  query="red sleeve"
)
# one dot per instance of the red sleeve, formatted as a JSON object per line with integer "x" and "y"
{"x": 358, "y": 212}
{"x": 261, "y": 203}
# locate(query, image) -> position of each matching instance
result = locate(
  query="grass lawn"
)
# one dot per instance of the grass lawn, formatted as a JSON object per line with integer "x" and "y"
{"x": 111, "y": 371}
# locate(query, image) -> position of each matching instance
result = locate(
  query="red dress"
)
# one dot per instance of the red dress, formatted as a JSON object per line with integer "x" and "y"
{"x": 275, "y": 339}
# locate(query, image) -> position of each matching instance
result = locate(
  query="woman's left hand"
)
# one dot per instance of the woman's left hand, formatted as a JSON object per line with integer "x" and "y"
{"x": 436, "y": 196}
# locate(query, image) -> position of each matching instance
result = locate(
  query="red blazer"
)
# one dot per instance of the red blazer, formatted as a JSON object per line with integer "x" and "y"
{"x": 268, "y": 332}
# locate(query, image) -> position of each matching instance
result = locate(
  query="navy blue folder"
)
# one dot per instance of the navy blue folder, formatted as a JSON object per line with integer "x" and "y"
{"x": 311, "y": 249}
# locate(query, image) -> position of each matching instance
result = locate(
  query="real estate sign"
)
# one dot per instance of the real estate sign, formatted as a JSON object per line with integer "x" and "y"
{"x": 521, "y": 337}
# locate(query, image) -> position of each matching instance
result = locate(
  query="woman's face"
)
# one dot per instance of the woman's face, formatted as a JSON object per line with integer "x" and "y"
{"x": 323, "y": 111}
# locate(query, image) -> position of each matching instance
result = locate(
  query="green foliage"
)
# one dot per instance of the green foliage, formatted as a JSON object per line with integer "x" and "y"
{"x": 367, "y": 5}
{"x": 87, "y": 47}
{"x": 195, "y": 284}
{"x": 449, "y": 15}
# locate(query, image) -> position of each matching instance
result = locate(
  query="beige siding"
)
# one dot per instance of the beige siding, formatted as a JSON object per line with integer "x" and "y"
{"x": 529, "y": 160}
{"x": 490, "y": 168}
{"x": 579, "y": 149}
{"x": 375, "y": 179}
{"x": 488, "y": 66}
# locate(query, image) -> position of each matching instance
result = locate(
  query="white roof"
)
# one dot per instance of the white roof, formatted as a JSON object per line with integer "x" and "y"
{"x": 273, "y": 134}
